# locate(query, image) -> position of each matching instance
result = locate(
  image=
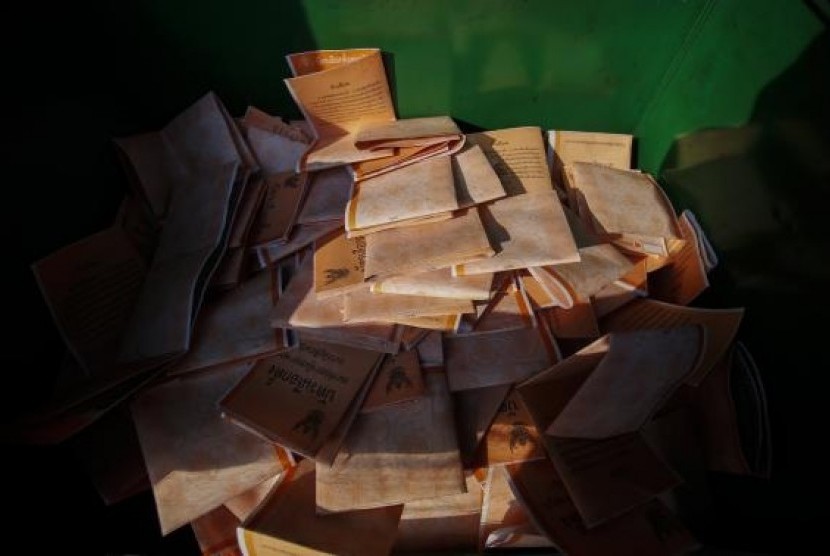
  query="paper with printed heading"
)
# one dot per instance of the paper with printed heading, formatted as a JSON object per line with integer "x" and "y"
{"x": 608, "y": 149}
{"x": 339, "y": 92}
{"x": 314, "y": 386}
{"x": 518, "y": 157}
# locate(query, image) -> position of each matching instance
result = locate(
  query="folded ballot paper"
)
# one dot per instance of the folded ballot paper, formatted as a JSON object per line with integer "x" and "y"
{"x": 363, "y": 334}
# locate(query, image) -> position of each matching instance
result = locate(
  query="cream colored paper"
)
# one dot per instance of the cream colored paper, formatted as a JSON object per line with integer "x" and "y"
{"x": 599, "y": 265}
{"x": 327, "y": 194}
{"x": 314, "y": 385}
{"x": 339, "y": 263}
{"x": 605, "y": 478}
{"x": 527, "y": 230}
{"x": 649, "y": 529}
{"x": 419, "y": 190}
{"x": 195, "y": 459}
{"x": 509, "y": 309}
{"x": 446, "y": 523}
{"x": 505, "y": 523}
{"x": 475, "y": 410}
{"x": 337, "y": 99}
{"x": 476, "y": 181}
{"x": 403, "y": 156}
{"x": 518, "y": 157}
{"x": 407, "y": 133}
{"x": 402, "y": 453}
{"x": 431, "y": 350}
{"x": 443, "y": 323}
{"x": 720, "y": 327}
{"x": 365, "y": 306}
{"x": 243, "y": 505}
{"x": 91, "y": 288}
{"x": 215, "y": 533}
{"x": 398, "y": 380}
{"x": 625, "y": 203}
{"x": 684, "y": 277}
{"x": 190, "y": 241}
{"x": 427, "y": 247}
{"x": 202, "y": 136}
{"x": 287, "y": 523}
{"x": 609, "y": 149}
{"x": 539, "y": 296}
{"x": 234, "y": 327}
{"x": 301, "y": 237}
{"x": 492, "y": 359}
{"x": 254, "y": 117}
{"x": 512, "y": 436}
{"x": 299, "y": 307}
{"x": 639, "y": 372}
{"x": 413, "y": 140}
{"x": 276, "y": 146}
{"x": 284, "y": 193}
{"x": 437, "y": 283}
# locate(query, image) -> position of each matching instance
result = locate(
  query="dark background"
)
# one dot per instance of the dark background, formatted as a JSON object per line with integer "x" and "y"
{"x": 728, "y": 101}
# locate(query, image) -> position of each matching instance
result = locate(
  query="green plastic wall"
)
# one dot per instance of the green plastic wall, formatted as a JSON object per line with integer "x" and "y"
{"x": 728, "y": 100}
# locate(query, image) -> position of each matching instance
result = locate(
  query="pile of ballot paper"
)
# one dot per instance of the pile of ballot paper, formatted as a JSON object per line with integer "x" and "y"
{"x": 357, "y": 334}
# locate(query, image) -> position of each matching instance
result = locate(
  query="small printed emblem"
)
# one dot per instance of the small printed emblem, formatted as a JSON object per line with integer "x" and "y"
{"x": 335, "y": 274}
{"x": 310, "y": 424}
{"x": 397, "y": 379}
{"x": 519, "y": 436}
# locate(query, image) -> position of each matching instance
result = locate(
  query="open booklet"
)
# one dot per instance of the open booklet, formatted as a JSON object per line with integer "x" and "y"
{"x": 591, "y": 407}
{"x": 339, "y": 92}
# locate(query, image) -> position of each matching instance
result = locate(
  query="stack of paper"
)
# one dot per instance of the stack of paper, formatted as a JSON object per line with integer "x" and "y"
{"x": 357, "y": 334}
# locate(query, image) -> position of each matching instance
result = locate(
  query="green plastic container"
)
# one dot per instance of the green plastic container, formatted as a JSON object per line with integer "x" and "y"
{"x": 728, "y": 100}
